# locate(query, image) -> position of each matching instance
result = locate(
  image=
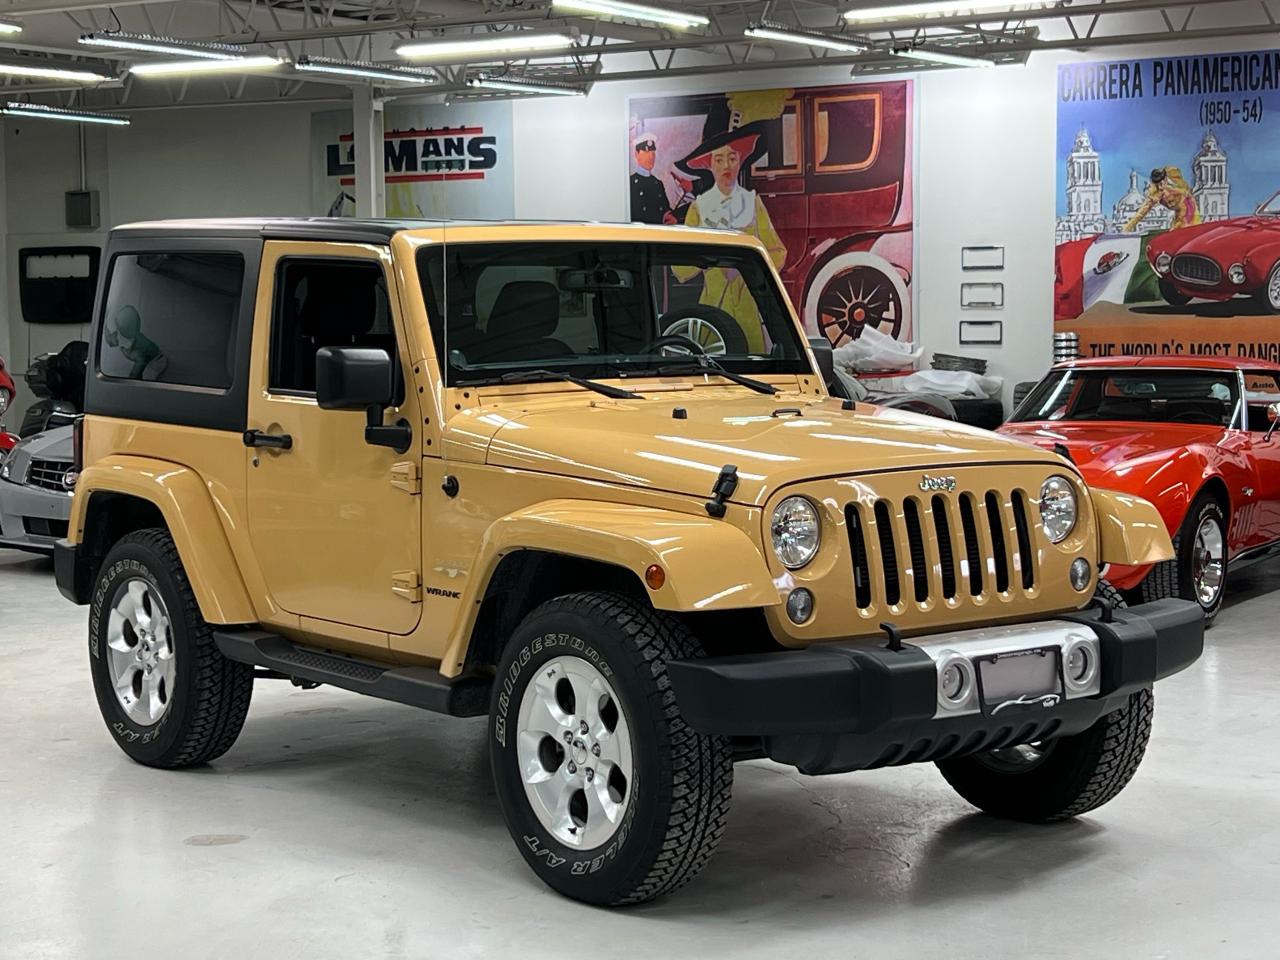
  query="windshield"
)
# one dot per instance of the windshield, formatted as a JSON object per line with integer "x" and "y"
{"x": 1271, "y": 206}
{"x": 604, "y": 309}
{"x": 1162, "y": 396}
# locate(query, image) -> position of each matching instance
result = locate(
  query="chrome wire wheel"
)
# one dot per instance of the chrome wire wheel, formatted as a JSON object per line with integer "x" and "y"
{"x": 1019, "y": 758}
{"x": 140, "y": 652}
{"x": 1208, "y": 562}
{"x": 574, "y": 751}
{"x": 1273, "y": 288}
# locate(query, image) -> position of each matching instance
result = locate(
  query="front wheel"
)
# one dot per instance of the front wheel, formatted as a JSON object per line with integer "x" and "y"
{"x": 1172, "y": 295}
{"x": 1199, "y": 570}
{"x": 609, "y": 795}
{"x": 1269, "y": 296}
{"x": 1060, "y": 778}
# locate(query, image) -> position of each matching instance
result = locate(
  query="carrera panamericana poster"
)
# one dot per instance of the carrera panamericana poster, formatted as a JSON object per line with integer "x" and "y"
{"x": 1168, "y": 211}
{"x": 446, "y": 162}
{"x": 822, "y": 175}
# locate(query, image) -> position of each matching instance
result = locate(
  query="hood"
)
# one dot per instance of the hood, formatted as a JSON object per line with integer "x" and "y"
{"x": 1226, "y": 238}
{"x": 1114, "y": 449}
{"x": 680, "y": 444}
{"x": 55, "y": 444}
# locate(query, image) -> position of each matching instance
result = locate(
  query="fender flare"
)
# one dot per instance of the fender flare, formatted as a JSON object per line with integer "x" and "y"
{"x": 1131, "y": 530}
{"x": 690, "y": 549}
{"x": 192, "y": 517}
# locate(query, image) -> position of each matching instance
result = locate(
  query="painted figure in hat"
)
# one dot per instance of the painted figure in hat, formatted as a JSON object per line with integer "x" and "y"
{"x": 727, "y": 205}
{"x": 1168, "y": 189}
{"x": 649, "y": 201}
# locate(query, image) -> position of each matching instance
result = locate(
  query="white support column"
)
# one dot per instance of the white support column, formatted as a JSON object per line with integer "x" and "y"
{"x": 370, "y": 190}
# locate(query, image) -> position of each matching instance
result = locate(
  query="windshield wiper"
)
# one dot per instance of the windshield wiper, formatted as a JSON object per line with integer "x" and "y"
{"x": 535, "y": 376}
{"x": 707, "y": 365}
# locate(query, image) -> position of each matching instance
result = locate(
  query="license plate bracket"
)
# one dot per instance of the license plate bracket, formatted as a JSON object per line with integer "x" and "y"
{"x": 1019, "y": 681}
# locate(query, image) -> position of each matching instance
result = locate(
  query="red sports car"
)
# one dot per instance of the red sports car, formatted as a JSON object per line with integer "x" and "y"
{"x": 7, "y": 392}
{"x": 1222, "y": 260}
{"x": 1198, "y": 437}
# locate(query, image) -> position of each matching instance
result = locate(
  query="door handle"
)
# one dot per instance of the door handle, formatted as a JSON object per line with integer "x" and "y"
{"x": 256, "y": 438}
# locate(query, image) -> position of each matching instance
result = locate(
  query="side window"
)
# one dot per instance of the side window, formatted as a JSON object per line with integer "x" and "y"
{"x": 325, "y": 303}
{"x": 172, "y": 318}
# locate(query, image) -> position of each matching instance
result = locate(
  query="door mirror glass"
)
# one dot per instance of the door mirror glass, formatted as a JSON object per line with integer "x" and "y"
{"x": 353, "y": 378}
{"x": 1273, "y": 412}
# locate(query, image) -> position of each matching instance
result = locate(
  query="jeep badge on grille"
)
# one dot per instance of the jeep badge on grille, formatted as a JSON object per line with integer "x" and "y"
{"x": 932, "y": 484}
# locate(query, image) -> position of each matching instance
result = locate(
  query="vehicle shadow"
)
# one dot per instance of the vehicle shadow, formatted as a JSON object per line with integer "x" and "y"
{"x": 860, "y": 844}
{"x": 1224, "y": 309}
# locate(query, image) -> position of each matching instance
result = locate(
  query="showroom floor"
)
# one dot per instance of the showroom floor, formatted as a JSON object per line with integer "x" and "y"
{"x": 339, "y": 826}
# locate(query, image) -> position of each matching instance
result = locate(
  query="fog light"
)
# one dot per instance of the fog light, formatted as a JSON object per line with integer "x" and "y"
{"x": 800, "y": 605}
{"x": 1080, "y": 572}
{"x": 1079, "y": 664}
{"x": 1236, "y": 274}
{"x": 955, "y": 680}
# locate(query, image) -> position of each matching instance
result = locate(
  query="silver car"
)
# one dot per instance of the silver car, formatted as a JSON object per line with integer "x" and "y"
{"x": 36, "y": 482}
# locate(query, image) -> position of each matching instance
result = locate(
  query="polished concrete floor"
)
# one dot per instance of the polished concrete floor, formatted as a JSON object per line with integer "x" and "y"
{"x": 342, "y": 827}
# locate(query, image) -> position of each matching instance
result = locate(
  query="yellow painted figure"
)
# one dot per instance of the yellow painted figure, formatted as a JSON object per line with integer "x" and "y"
{"x": 1168, "y": 189}
{"x": 730, "y": 206}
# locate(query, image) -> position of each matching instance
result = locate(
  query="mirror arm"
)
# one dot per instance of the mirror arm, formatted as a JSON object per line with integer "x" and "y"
{"x": 398, "y": 436}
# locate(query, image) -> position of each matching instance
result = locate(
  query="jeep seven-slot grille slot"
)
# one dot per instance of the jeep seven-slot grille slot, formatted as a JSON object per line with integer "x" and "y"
{"x": 979, "y": 541}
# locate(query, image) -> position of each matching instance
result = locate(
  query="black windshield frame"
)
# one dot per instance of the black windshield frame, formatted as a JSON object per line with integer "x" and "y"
{"x": 625, "y": 319}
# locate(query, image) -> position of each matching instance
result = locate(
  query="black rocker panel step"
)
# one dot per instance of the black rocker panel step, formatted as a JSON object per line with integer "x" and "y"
{"x": 465, "y": 696}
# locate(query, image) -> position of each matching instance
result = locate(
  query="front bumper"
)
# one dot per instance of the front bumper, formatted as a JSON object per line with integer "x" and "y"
{"x": 25, "y": 509}
{"x": 835, "y": 707}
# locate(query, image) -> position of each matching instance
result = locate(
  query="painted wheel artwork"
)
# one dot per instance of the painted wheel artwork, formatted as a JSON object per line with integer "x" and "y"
{"x": 854, "y": 291}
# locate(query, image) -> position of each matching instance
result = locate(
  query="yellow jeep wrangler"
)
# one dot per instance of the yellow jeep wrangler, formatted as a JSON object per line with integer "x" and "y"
{"x": 588, "y": 481}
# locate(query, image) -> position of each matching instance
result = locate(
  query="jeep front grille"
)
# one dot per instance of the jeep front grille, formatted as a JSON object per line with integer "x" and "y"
{"x": 920, "y": 540}
{"x": 1190, "y": 268}
{"x": 48, "y": 474}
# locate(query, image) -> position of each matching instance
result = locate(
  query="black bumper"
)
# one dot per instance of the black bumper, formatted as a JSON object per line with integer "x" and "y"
{"x": 843, "y": 706}
{"x": 72, "y": 571}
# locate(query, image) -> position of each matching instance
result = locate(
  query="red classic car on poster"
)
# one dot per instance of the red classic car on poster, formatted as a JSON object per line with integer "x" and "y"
{"x": 1195, "y": 436}
{"x": 1222, "y": 260}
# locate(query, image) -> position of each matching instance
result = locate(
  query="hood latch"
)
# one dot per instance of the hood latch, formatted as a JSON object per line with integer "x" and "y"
{"x": 723, "y": 489}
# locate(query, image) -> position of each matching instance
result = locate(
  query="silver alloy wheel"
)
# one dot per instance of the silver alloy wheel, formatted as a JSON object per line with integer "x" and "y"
{"x": 1208, "y": 562}
{"x": 140, "y": 652}
{"x": 1019, "y": 758}
{"x": 574, "y": 750}
{"x": 702, "y": 332}
{"x": 1273, "y": 288}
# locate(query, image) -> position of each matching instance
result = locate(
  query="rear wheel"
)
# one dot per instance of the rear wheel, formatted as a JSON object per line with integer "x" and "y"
{"x": 609, "y": 795}
{"x": 1064, "y": 777}
{"x": 1199, "y": 570}
{"x": 167, "y": 694}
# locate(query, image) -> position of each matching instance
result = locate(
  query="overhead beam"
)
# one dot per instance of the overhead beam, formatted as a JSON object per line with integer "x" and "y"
{"x": 24, "y": 8}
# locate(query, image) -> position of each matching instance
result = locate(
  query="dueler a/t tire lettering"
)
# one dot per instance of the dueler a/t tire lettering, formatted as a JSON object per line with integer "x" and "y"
{"x": 211, "y": 694}
{"x": 681, "y": 782}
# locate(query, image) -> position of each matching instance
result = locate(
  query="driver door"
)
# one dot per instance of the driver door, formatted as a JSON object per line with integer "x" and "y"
{"x": 334, "y": 521}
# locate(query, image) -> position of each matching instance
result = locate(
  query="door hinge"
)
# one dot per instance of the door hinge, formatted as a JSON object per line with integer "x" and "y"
{"x": 405, "y": 476}
{"x": 407, "y": 584}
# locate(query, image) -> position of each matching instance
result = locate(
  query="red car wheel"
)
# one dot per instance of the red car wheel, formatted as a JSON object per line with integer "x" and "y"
{"x": 854, "y": 290}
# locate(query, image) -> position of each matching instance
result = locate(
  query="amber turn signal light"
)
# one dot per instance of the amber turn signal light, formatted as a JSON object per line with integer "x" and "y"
{"x": 655, "y": 577}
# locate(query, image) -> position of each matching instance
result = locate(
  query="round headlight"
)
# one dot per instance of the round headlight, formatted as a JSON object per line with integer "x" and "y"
{"x": 1057, "y": 508}
{"x": 795, "y": 532}
{"x": 1163, "y": 263}
{"x": 1236, "y": 274}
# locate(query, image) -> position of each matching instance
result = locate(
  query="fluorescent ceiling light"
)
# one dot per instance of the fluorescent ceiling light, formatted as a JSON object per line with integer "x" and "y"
{"x": 364, "y": 69}
{"x": 806, "y": 38}
{"x": 181, "y": 48}
{"x": 526, "y": 86}
{"x": 633, "y": 11}
{"x": 911, "y": 11}
{"x": 178, "y": 68}
{"x": 937, "y": 56}
{"x": 8, "y": 26}
{"x": 41, "y": 112}
{"x": 513, "y": 42}
{"x": 52, "y": 73}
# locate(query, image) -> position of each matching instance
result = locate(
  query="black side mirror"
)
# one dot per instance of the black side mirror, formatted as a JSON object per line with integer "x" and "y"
{"x": 825, "y": 355}
{"x": 354, "y": 378}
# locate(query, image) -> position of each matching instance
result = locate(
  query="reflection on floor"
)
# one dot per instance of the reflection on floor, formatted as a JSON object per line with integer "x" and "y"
{"x": 338, "y": 826}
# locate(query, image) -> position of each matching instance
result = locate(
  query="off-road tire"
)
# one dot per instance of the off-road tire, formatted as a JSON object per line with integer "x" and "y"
{"x": 1173, "y": 578}
{"x": 682, "y": 781}
{"x": 211, "y": 693}
{"x": 1079, "y": 774}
